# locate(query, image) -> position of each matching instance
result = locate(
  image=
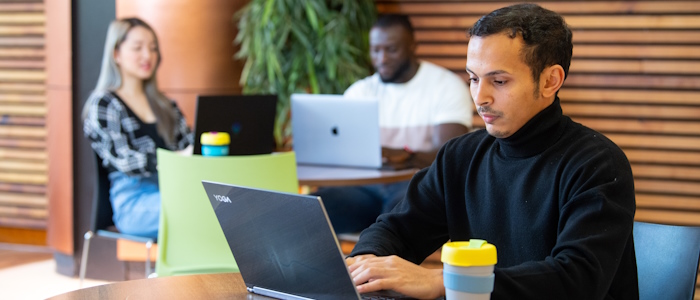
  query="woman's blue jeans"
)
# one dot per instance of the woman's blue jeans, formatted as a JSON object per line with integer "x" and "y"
{"x": 136, "y": 204}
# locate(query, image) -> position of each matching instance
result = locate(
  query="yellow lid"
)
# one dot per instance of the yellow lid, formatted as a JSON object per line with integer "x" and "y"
{"x": 466, "y": 254}
{"x": 214, "y": 138}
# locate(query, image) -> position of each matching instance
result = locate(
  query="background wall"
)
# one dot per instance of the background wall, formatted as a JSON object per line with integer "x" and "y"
{"x": 77, "y": 39}
{"x": 23, "y": 150}
{"x": 59, "y": 93}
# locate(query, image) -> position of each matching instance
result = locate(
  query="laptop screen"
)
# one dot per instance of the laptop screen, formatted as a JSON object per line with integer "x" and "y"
{"x": 334, "y": 130}
{"x": 282, "y": 242}
{"x": 248, "y": 119}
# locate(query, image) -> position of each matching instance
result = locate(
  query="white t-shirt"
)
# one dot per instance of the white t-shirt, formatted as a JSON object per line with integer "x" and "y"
{"x": 408, "y": 111}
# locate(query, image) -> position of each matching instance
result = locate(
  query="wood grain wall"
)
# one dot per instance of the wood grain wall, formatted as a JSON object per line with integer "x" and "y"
{"x": 60, "y": 142}
{"x": 23, "y": 155}
{"x": 635, "y": 77}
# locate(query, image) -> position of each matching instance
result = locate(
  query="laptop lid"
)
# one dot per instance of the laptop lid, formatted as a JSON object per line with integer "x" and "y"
{"x": 248, "y": 119}
{"x": 334, "y": 130}
{"x": 284, "y": 244}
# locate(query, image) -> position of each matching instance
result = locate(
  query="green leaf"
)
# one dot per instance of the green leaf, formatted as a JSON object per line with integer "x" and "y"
{"x": 244, "y": 74}
{"x": 312, "y": 73}
{"x": 311, "y": 14}
{"x": 268, "y": 11}
{"x": 299, "y": 35}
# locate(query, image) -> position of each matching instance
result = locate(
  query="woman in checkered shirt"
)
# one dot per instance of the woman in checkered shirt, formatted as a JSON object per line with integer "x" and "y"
{"x": 126, "y": 118}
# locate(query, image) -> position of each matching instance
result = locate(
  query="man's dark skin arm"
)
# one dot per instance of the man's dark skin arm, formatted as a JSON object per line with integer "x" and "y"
{"x": 402, "y": 158}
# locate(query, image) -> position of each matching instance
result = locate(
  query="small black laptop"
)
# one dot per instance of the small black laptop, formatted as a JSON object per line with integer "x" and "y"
{"x": 284, "y": 244}
{"x": 248, "y": 119}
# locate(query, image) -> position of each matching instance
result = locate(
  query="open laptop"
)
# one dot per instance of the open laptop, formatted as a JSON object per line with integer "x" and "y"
{"x": 248, "y": 119}
{"x": 283, "y": 243}
{"x": 334, "y": 130}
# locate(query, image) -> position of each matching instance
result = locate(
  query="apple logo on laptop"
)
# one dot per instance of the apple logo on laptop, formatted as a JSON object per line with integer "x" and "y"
{"x": 334, "y": 130}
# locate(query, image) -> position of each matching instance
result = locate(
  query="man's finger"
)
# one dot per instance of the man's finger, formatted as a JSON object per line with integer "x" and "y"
{"x": 373, "y": 286}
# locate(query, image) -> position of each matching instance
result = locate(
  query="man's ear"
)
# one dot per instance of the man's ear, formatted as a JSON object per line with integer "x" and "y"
{"x": 412, "y": 46}
{"x": 551, "y": 80}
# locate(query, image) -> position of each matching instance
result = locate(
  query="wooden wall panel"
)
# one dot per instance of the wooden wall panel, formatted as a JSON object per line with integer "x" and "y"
{"x": 635, "y": 77}
{"x": 23, "y": 152}
{"x": 59, "y": 97}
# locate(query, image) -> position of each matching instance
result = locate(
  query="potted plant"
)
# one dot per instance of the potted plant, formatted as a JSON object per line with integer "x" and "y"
{"x": 311, "y": 46}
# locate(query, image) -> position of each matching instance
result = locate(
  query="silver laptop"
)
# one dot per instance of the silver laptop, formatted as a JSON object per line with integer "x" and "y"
{"x": 283, "y": 243}
{"x": 334, "y": 130}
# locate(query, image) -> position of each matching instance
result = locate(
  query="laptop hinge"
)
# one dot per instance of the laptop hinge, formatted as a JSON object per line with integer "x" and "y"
{"x": 275, "y": 294}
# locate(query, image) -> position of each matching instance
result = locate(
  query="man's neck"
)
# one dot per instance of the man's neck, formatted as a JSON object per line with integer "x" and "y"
{"x": 409, "y": 73}
{"x": 540, "y": 132}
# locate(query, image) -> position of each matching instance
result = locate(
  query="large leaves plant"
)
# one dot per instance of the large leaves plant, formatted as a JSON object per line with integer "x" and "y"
{"x": 310, "y": 46}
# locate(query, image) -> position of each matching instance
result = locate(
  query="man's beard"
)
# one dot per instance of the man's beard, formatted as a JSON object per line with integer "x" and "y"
{"x": 403, "y": 68}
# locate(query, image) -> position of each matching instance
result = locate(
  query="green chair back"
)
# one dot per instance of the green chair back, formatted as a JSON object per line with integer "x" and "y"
{"x": 190, "y": 240}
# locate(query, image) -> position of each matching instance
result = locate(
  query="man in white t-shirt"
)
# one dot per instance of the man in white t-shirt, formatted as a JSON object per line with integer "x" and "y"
{"x": 421, "y": 106}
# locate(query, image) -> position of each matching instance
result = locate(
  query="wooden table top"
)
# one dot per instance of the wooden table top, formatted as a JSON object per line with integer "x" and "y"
{"x": 345, "y": 176}
{"x": 202, "y": 286}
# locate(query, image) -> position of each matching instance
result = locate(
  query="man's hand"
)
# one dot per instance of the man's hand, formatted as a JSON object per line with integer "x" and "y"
{"x": 395, "y": 156}
{"x": 371, "y": 273}
{"x": 400, "y": 159}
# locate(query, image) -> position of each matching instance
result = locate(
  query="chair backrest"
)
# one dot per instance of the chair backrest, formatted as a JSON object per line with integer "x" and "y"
{"x": 190, "y": 239}
{"x": 667, "y": 260}
{"x": 102, "y": 212}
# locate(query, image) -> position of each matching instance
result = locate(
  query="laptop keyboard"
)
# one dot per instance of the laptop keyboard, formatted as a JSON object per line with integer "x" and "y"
{"x": 388, "y": 295}
{"x": 374, "y": 297}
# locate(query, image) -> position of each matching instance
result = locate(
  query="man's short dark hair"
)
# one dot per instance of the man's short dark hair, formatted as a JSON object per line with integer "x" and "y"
{"x": 547, "y": 37}
{"x": 388, "y": 20}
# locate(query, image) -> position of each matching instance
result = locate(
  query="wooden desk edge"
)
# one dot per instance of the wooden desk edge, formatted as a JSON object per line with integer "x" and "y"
{"x": 402, "y": 176}
{"x": 202, "y": 286}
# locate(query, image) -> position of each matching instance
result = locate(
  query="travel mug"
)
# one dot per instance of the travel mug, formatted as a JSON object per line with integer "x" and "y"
{"x": 468, "y": 269}
{"x": 215, "y": 143}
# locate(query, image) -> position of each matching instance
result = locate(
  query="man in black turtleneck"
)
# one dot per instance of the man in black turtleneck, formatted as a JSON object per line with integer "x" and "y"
{"x": 554, "y": 197}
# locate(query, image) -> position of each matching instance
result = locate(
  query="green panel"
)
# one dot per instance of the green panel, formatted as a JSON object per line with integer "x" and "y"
{"x": 190, "y": 240}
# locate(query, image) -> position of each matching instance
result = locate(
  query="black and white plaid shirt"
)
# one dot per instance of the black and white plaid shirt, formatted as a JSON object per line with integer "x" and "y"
{"x": 118, "y": 137}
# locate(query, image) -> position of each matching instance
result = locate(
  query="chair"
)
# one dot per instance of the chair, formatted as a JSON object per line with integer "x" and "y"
{"x": 190, "y": 239}
{"x": 667, "y": 260}
{"x": 101, "y": 223}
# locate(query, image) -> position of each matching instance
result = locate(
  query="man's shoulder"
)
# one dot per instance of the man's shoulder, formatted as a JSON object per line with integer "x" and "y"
{"x": 435, "y": 70}
{"x": 363, "y": 86}
{"x": 439, "y": 78}
{"x": 460, "y": 151}
{"x": 585, "y": 141}
{"x": 585, "y": 131}
{"x": 432, "y": 67}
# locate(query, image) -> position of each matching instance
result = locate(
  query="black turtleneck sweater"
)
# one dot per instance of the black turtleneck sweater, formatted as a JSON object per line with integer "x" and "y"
{"x": 555, "y": 198}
